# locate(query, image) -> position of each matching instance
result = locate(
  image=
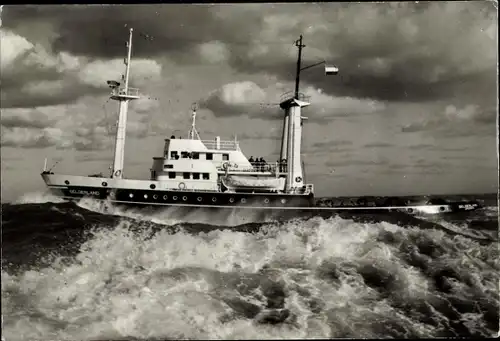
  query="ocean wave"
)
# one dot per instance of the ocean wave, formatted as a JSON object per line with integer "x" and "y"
{"x": 104, "y": 276}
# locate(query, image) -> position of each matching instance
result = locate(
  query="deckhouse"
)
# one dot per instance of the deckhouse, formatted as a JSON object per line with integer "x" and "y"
{"x": 200, "y": 165}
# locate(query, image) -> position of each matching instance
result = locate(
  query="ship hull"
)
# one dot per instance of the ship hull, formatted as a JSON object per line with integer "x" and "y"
{"x": 136, "y": 194}
{"x": 146, "y": 193}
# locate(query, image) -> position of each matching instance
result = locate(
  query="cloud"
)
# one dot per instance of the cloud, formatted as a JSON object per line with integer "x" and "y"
{"x": 330, "y": 144}
{"x": 25, "y": 118}
{"x": 378, "y": 145}
{"x": 453, "y": 121}
{"x": 239, "y": 98}
{"x": 432, "y": 147}
{"x": 13, "y": 47}
{"x": 25, "y": 137}
{"x": 137, "y": 129}
{"x": 248, "y": 98}
{"x": 157, "y": 29}
{"x": 92, "y": 157}
{"x": 428, "y": 50}
{"x": 98, "y": 72}
{"x": 331, "y": 107}
{"x": 76, "y": 126}
{"x": 214, "y": 52}
{"x": 144, "y": 105}
{"x": 33, "y": 76}
{"x": 350, "y": 163}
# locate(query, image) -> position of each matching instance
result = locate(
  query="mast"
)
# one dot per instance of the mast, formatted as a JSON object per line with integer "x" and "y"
{"x": 123, "y": 95}
{"x": 292, "y": 125}
{"x": 193, "y": 132}
{"x": 292, "y": 130}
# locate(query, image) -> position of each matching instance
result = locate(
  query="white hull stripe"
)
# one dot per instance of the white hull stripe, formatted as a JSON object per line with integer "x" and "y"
{"x": 419, "y": 208}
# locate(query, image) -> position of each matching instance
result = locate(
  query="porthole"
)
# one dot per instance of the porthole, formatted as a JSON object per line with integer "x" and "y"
{"x": 165, "y": 197}
{"x": 152, "y": 186}
{"x": 214, "y": 199}
{"x": 441, "y": 208}
{"x": 66, "y": 182}
{"x": 174, "y": 197}
{"x": 410, "y": 210}
{"x": 131, "y": 195}
{"x": 104, "y": 183}
{"x": 243, "y": 200}
{"x": 184, "y": 198}
{"x": 199, "y": 199}
{"x": 283, "y": 201}
{"x": 145, "y": 196}
{"x": 231, "y": 200}
{"x": 266, "y": 200}
{"x": 155, "y": 196}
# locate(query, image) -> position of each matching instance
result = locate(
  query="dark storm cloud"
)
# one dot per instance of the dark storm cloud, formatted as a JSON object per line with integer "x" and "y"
{"x": 100, "y": 30}
{"x": 387, "y": 51}
{"x": 67, "y": 92}
{"x": 396, "y": 51}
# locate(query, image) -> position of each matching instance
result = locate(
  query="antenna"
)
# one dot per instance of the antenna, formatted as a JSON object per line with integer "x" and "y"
{"x": 299, "y": 44}
{"x": 55, "y": 164}
{"x": 193, "y": 132}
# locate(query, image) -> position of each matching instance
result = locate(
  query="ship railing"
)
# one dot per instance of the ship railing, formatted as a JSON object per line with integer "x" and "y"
{"x": 122, "y": 91}
{"x": 309, "y": 188}
{"x": 221, "y": 145}
{"x": 291, "y": 94}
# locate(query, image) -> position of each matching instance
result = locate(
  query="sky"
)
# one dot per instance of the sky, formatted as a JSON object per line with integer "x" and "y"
{"x": 412, "y": 111}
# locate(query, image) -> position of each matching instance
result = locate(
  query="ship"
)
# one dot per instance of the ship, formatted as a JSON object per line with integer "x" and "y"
{"x": 215, "y": 173}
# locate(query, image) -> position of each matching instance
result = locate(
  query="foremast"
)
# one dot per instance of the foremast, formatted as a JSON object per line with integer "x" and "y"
{"x": 123, "y": 95}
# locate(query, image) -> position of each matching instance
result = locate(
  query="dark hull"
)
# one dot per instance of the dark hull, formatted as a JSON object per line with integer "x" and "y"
{"x": 269, "y": 205}
{"x": 137, "y": 197}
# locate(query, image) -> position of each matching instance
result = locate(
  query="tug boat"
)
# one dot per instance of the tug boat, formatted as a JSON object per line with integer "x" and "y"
{"x": 215, "y": 173}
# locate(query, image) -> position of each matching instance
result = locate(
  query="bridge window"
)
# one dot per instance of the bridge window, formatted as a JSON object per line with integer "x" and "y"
{"x": 225, "y": 157}
{"x": 171, "y": 175}
{"x": 185, "y": 155}
{"x": 206, "y": 176}
{"x": 196, "y": 176}
{"x": 195, "y": 155}
{"x": 168, "y": 166}
{"x": 186, "y": 175}
{"x": 210, "y": 156}
{"x": 174, "y": 155}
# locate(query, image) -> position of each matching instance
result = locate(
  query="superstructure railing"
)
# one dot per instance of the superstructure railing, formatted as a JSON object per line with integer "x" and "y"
{"x": 221, "y": 145}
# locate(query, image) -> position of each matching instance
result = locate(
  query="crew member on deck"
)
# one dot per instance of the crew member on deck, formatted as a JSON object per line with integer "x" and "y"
{"x": 251, "y": 160}
{"x": 283, "y": 165}
{"x": 262, "y": 164}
